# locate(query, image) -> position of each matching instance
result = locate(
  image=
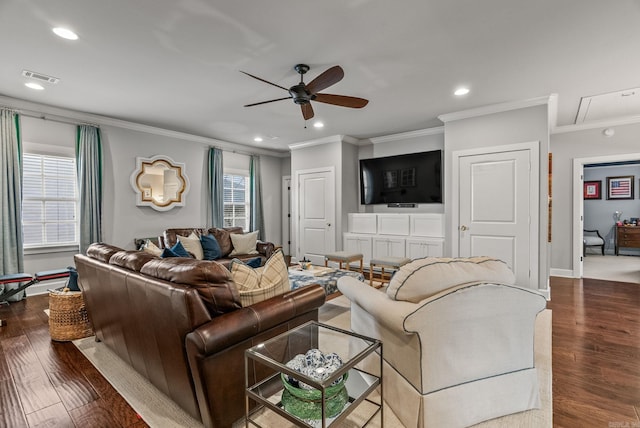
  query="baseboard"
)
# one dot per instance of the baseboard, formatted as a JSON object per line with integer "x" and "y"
{"x": 565, "y": 273}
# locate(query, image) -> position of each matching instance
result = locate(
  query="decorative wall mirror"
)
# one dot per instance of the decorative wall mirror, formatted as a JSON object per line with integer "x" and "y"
{"x": 159, "y": 183}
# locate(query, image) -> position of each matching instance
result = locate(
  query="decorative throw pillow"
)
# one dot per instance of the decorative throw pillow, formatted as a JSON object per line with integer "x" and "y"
{"x": 423, "y": 278}
{"x": 166, "y": 253}
{"x": 256, "y": 285}
{"x": 152, "y": 248}
{"x": 244, "y": 243}
{"x": 177, "y": 251}
{"x": 192, "y": 244}
{"x": 210, "y": 247}
{"x": 254, "y": 263}
{"x": 224, "y": 240}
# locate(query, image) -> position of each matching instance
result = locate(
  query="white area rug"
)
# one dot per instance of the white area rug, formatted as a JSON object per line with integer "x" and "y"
{"x": 158, "y": 411}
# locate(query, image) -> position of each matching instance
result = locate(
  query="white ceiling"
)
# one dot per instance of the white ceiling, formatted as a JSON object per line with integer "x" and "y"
{"x": 175, "y": 64}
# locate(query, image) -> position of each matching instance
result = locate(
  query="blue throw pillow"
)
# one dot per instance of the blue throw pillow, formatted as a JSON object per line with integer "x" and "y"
{"x": 210, "y": 247}
{"x": 254, "y": 263}
{"x": 166, "y": 253}
{"x": 179, "y": 250}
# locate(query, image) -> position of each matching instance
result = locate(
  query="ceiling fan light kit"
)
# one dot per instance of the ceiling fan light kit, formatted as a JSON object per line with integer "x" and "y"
{"x": 302, "y": 94}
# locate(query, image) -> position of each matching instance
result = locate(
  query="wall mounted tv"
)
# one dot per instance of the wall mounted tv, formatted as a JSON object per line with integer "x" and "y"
{"x": 414, "y": 178}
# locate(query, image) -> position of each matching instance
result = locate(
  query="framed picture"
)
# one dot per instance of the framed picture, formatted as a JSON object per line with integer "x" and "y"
{"x": 592, "y": 189}
{"x": 620, "y": 187}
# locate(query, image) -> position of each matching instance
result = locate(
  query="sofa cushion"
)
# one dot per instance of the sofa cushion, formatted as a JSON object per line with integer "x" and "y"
{"x": 256, "y": 285}
{"x": 210, "y": 247}
{"x": 423, "y": 278}
{"x": 102, "y": 252}
{"x": 223, "y": 237}
{"x": 131, "y": 259}
{"x": 211, "y": 279}
{"x": 192, "y": 244}
{"x": 244, "y": 243}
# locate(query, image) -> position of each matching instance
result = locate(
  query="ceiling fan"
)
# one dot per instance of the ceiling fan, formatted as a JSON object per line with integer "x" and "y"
{"x": 304, "y": 93}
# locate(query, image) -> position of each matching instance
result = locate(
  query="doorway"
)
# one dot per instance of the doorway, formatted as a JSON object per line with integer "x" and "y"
{"x": 579, "y": 222}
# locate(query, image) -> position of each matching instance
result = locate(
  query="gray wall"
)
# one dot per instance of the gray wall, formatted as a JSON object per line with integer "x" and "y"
{"x": 122, "y": 219}
{"x": 567, "y": 146}
{"x": 511, "y": 127}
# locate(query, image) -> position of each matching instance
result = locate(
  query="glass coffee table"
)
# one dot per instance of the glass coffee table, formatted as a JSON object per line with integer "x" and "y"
{"x": 314, "y": 375}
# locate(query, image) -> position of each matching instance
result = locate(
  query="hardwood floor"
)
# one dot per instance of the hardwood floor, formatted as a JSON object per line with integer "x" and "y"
{"x": 596, "y": 364}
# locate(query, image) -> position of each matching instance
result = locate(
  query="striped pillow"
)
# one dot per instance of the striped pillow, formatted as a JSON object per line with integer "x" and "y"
{"x": 423, "y": 278}
{"x": 256, "y": 285}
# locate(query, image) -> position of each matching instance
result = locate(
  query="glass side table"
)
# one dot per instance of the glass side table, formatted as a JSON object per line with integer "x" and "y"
{"x": 271, "y": 399}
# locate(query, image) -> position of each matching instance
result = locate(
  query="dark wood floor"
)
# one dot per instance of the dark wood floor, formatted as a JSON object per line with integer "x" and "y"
{"x": 596, "y": 365}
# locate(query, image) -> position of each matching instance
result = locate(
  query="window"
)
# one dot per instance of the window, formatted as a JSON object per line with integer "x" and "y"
{"x": 236, "y": 200}
{"x": 49, "y": 201}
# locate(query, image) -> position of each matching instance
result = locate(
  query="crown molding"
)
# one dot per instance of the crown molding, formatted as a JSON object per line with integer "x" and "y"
{"x": 42, "y": 111}
{"x": 618, "y": 121}
{"x": 324, "y": 140}
{"x": 495, "y": 108}
{"x": 406, "y": 135}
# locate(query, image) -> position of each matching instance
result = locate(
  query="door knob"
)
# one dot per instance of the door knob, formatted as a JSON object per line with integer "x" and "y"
{"x": 463, "y": 228}
{"x": 328, "y": 224}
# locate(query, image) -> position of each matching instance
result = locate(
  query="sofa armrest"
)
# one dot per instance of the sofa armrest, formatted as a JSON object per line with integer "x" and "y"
{"x": 265, "y": 248}
{"x": 376, "y": 303}
{"x": 234, "y": 327}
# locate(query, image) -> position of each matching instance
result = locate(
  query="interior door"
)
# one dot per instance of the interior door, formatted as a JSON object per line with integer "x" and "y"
{"x": 495, "y": 211}
{"x": 316, "y": 208}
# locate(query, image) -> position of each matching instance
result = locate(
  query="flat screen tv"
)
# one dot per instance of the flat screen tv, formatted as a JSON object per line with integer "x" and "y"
{"x": 414, "y": 178}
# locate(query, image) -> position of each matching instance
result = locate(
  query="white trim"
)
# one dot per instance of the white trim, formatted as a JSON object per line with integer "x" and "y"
{"x": 44, "y": 287}
{"x": 534, "y": 202}
{"x": 496, "y": 108}
{"x": 627, "y": 120}
{"x": 405, "y": 135}
{"x": 69, "y": 116}
{"x": 286, "y": 209}
{"x": 325, "y": 140}
{"x": 578, "y": 202}
{"x": 564, "y": 273}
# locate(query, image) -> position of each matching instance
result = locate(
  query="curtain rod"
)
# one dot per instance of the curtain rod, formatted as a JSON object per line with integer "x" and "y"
{"x": 43, "y": 116}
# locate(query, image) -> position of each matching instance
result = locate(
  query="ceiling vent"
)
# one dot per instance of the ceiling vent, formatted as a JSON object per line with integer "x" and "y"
{"x": 40, "y": 76}
{"x": 609, "y": 106}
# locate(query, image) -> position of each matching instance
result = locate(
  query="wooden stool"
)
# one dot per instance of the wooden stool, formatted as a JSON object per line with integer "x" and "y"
{"x": 393, "y": 263}
{"x": 343, "y": 257}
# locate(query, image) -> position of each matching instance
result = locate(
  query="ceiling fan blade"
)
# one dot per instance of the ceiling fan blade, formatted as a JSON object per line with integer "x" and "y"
{"x": 265, "y": 102}
{"x": 262, "y": 80}
{"x": 307, "y": 111}
{"x": 326, "y": 79}
{"x": 341, "y": 100}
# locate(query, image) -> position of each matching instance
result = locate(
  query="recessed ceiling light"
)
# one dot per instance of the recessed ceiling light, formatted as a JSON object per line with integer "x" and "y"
{"x": 65, "y": 33}
{"x": 461, "y": 91}
{"x": 257, "y": 139}
{"x": 318, "y": 124}
{"x": 34, "y": 85}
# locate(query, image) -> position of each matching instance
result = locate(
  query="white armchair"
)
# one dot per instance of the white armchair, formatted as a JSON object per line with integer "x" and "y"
{"x": 458, "y": 340}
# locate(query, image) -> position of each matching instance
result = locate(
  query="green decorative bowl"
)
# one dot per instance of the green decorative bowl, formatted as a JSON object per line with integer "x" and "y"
{"x": 307, "y": 403}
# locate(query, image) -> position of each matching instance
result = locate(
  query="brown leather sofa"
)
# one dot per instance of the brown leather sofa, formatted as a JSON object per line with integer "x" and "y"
{"x": 170, "y": 237}
{"x": 179, "y": 323}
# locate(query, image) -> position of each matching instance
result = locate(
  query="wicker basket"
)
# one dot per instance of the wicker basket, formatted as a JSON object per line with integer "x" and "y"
{"x": 68, "y": 319}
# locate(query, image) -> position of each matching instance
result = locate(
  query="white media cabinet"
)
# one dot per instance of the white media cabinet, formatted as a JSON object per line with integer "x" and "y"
{"x": 397, "y": 235}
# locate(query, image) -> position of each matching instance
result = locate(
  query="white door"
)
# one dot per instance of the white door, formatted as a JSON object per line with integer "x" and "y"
{"x": 316, "y": 208}
{"x": 495, "y": 211}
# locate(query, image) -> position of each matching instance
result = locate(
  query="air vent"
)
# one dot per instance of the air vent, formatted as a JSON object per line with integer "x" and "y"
{"x": 40, "y": 76}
